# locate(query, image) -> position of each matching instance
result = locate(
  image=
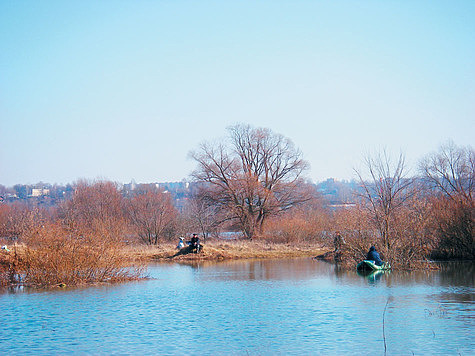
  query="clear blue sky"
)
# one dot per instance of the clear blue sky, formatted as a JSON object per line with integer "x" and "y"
{"x": 125, "y": 89}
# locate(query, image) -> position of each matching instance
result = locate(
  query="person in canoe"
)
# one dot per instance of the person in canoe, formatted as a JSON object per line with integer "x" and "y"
{"x": 373, "y": 255}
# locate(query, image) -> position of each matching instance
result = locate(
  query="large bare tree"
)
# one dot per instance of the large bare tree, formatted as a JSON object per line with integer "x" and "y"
{"x": 256, "y": 174}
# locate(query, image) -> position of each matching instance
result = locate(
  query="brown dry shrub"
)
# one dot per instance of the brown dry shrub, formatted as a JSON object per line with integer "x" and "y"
{"x": 55, "y": 255}
{"x": 299, "y": 225}
{"x": 4, "y": 215}
{"x": 96, "y": 208}
{"x": 9, "y": 268}
{"x": 410, "y": 242}
{"x": 18, "y": 218}
{"x": 453, "y": 230}
{"x": 353, "y": 225}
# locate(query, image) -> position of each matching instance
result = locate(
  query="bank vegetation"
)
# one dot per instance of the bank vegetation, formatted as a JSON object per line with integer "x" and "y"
{"x": 250, "y": 199}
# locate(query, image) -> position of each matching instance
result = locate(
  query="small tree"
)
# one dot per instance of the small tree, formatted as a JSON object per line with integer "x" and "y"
{"x": 202, "y": 214}
{"x": 450, "y": 175}
{"x": 151, "y": 213}
{"x": 95, "y": 207}
{"x": 451, "y": 171}
{"x": 385, "y": 193}
{"x": 18, "y": 219}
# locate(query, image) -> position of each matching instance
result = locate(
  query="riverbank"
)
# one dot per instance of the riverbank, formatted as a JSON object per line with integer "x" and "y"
{"x": 218, "y": 250}
{"x": 75, "y": 264}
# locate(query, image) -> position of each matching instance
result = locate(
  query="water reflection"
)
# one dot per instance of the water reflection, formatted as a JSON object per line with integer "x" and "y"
{"x": 282, "y": 269}
{"x": 373, "y": 277}
{"x": 457, "y": 273}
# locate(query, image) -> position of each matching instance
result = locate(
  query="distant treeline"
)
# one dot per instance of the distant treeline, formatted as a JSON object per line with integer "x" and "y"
{"x": 334, "y": 193}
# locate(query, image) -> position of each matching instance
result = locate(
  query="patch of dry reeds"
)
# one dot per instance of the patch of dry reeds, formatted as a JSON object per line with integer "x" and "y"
{"x": 9, "y": 268}
{"x": 54, "y": 255}
{"x": 298, "y": 226}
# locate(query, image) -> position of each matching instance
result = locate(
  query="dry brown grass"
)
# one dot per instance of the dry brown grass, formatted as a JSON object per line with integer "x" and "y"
{"x": 53, "y": 255}
{"x": 221, "y": 250}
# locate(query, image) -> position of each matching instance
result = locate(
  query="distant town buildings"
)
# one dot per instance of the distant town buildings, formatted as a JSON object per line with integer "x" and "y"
{"x": 38, "y": 192}
{"x": 336, "y": 194}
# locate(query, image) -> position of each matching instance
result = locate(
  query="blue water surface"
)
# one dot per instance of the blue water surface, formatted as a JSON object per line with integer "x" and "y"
{"x": 262, "y": 307}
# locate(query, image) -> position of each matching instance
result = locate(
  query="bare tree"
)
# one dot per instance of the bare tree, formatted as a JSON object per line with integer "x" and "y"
{"x": 19, "y": 219}
{"x": 95, "y": 207}
{"x": 202, "y": 213}
{"x": 151, "y": 212}
{"x": 386, "y": 191}
{"x": 256, "y": 176}
{"x": 451, "y": 171}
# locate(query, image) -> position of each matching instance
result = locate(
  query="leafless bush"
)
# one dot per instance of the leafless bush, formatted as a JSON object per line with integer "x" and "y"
{"x": 450, "y": 178}
{"x": 54, "y": 254}
{"x": 306, "y": 224}
{"x": 83, "y": 244}
{"x": 97, "y": 208}
{"x": 18, "y": 218}
{"x": 453, "y": 230}
{"x": 152, "y": 215}
{"x": 200, "y": 214}
{"x": 9, "y": 267}
{"x": 355, "y": 227}
{"x": 411, "y": 242}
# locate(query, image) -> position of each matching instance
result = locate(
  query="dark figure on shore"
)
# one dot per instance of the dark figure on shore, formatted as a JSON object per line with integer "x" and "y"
{"x": 373, "y": 255}
{"x": 338, "y": 242}
{"x": 195, "y": 243}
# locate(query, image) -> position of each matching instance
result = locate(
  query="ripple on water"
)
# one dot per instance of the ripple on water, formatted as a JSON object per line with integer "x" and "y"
{"x": 278, "y": 307}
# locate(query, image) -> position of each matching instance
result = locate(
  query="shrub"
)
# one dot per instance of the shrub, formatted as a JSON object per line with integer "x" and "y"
{"x": 410, "y": 243}
{"x": 55, "y": 255}
{"x": 453, "y": 231}
{"x": 298, "y": 225}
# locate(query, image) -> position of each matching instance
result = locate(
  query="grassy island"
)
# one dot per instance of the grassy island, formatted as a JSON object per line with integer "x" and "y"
{"x": 217, "y": 250}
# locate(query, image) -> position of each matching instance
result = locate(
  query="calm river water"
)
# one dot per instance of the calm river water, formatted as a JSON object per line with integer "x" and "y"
{"x": 276, "y": 307}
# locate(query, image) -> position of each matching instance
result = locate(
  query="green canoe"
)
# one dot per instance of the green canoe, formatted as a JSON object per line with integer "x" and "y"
{"x": 367, "y": 265}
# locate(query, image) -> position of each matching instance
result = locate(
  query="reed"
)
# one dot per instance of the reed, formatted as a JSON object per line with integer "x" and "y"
{"x": 54, "y": 255}
{"x": 9, "y": 273}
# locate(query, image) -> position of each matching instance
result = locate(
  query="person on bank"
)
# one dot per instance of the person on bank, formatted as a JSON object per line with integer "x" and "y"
{"x": 338, "y": 242}
{"x": 195, "y": 243}
{"x": 373, "y": 255}
{"x": 181, "y": 244}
